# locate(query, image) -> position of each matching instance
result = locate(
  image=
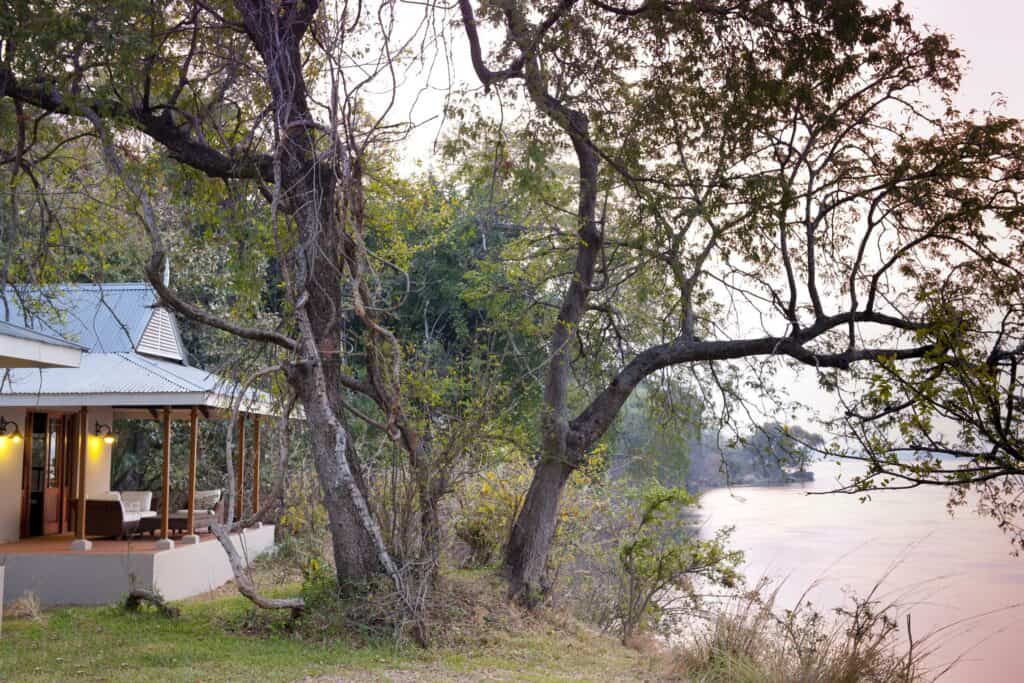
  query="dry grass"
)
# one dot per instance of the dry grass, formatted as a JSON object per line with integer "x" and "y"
{"x": 26, "y": 607}
{"x": 748, "y": 640}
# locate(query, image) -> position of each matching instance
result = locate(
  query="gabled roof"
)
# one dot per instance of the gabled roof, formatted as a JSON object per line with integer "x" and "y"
{"x": 24, "y": 348}
{"x": 108, "y": 318}
{"x": 133, "y": 360}
{"x": 124, "y": 380}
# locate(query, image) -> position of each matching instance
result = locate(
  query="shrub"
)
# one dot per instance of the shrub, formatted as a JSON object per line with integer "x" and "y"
{"x": 488, "y": 508}
{"x": 637, "y": 564}
{"x": 660, "y": 557}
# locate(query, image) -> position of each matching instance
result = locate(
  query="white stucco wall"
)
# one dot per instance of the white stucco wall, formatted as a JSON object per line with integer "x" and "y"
{"x": 99, "y": 577}
{"x": 195, "y": 569}
{"x": 11, "y": 455}
{"x": 97, "y": 466}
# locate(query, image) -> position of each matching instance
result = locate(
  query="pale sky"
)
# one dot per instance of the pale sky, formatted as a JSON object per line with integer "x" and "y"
{"x": 987, "y": 31}
{"x": 989, "y": 34}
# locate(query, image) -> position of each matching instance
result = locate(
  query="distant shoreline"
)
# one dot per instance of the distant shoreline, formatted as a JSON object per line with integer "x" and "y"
{"x": 803, "y": 477}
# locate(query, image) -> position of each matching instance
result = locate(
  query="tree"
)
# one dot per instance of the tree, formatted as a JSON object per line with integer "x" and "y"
{"x": 223, "y": 95}
{"x": 768, "y": 180}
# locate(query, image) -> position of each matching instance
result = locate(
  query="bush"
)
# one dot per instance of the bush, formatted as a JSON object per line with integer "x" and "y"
{"x": 304, "y": 514}
{"x": 488, "y": 508}
{"x": 302, "y": 528}
{"x": 660, "y": 557}
{"x": 640, "y": 563}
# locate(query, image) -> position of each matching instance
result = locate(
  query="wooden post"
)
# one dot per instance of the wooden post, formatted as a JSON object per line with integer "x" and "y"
{"x": 255, "y": 464}
{"x": 165, "y": 505}
{"x": 240, "y": 484}
{"x": 193, "y": 456}
{"x": 83, "y": 447}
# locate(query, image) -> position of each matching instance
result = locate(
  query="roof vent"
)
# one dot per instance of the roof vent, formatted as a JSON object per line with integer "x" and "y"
{"x": 160, "y": 337}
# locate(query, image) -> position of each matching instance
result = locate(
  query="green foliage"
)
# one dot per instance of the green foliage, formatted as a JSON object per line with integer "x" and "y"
{"x": 488, "y": 508}
{"x": 660, "y": 558}
{"x": 637, "y": 562}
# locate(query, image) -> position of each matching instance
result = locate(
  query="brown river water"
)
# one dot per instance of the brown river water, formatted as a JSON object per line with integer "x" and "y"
{"x": 955, "y": 575}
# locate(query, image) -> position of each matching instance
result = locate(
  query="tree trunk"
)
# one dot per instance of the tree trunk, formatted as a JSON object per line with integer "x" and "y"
{"x": 355, "y": 556}
{"x": 530, "y": 541}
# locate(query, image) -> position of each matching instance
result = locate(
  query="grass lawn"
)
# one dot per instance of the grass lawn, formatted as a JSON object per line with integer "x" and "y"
{"x": 209, "y": 642}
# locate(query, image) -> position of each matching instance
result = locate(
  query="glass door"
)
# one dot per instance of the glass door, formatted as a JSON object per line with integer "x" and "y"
{"x": 37, "y": 456}
{"x": 49, "y": 447}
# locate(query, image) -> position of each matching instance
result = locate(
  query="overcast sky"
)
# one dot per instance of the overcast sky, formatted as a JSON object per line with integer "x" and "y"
{"x": 989, "y": 34}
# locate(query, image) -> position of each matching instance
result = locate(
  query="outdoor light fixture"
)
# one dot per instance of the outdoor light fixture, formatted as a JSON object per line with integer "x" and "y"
{"x": 103, "y": 431}
{"x": 6, "y": 431}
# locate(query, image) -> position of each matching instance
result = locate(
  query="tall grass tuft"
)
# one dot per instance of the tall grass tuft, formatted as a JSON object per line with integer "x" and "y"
{"x": 747, "y": 640}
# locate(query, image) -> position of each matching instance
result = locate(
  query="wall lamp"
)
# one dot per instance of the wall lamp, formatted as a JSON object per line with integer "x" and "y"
{"x": 103, "y": 432}
{"x": 6, "y": 431}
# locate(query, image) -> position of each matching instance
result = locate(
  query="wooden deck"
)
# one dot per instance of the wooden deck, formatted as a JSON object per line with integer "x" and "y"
{"x": 61, "y": 544}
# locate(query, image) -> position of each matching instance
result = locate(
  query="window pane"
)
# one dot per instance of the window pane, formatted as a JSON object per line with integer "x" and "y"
{"x": 51, "y": 465}
{"x": 38, "y": 477}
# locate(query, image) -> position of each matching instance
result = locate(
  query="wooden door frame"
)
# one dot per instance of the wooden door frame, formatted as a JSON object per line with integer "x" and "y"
{"x": 67, "y": 469}
{"x": 26, "y": 472}
{"x": 66, "y": 464}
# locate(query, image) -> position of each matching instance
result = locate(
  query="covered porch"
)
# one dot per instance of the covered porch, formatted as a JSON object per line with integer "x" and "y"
{"x": 65, "y": 534}
{"x": 70, "y": 553}
{"x": 66, "y": 459}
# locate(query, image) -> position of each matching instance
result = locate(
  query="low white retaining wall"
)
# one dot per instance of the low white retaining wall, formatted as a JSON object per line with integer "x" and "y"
{"x": 95, "y": 578}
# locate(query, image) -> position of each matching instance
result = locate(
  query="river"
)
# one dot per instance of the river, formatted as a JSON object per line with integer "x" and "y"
{"x": 955, "y": 573}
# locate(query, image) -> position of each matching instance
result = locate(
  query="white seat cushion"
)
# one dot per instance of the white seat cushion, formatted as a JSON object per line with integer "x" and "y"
{"x": 146, "y": 513}
{"x": 207, "y": 500}
{"x": 132, "y": 516}
{"x": 136, "y": 501}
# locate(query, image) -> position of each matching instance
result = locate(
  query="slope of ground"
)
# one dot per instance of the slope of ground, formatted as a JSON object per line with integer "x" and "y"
{"x": 220, "y": 638}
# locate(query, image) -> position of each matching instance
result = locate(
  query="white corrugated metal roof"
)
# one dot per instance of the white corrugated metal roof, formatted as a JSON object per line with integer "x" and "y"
{"x": 20, "y": 332}
{"x": 108, "y": 318}
{"x": 116, "y": 324}
{"x": 123, "y": 379}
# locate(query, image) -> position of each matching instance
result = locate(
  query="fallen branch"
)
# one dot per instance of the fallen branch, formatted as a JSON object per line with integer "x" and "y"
{"x": 244, "y": 583}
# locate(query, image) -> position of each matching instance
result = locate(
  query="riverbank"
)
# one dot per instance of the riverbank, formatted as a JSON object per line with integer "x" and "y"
{"x": 780, "y": 478}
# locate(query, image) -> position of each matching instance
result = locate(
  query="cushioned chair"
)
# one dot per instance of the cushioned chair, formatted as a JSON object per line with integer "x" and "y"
{"x": 209, "y": 511}
{"x": 138, "y": 501}
{"x": 116, "y": 514}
